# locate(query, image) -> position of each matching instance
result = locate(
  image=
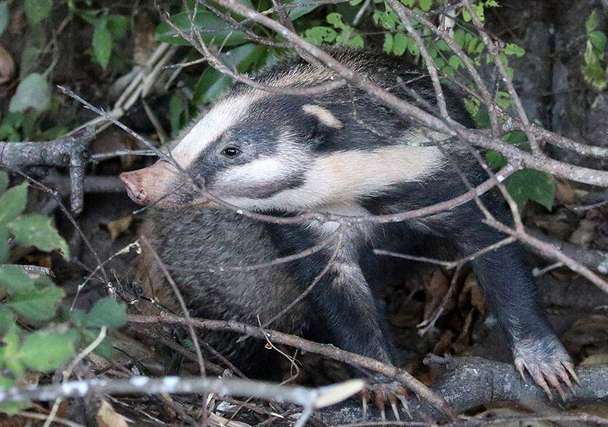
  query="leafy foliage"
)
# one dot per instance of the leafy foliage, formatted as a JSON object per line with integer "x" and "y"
{"x": 35, "y": 337}
{"x": 595, "y": 66}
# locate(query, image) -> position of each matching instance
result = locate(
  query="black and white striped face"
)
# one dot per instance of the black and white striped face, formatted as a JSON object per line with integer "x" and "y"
{"x": 277, "y": 152}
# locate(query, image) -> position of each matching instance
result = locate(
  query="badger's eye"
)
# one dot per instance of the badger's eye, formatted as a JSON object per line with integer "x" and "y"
{"x": 231, "y": 152}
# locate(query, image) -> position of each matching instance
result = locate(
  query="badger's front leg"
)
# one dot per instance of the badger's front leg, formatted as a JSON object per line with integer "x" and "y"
{"x": 510, "y": 290}
{"x": 356, "y": 324}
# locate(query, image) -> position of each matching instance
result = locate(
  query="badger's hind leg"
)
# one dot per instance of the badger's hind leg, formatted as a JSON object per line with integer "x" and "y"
{"x": 510, "y": 290}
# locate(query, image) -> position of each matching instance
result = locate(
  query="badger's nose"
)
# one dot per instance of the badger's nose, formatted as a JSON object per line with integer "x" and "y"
{"x": 135, "y": 190}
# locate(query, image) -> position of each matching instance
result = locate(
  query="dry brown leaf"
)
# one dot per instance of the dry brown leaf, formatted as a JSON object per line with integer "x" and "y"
{"x": 565, "y": 193}
{"x": 472, "y": 293}
{"x": 7, "y": 66}
{"x": 144, "y": 41}
{"x": 584, "y": 233}
{"x": 436, "y": 288}
{"x": 119, "y": 226}
{"x": 108, "y": 417}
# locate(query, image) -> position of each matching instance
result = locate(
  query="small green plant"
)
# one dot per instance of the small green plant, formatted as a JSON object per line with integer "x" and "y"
{"x": 595, "y": 66}
{"x": 37, "y": 336}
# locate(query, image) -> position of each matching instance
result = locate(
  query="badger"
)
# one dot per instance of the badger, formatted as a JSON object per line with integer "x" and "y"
{"x": 342, "y": 154}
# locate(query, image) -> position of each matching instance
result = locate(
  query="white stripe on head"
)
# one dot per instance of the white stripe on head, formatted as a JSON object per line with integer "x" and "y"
{"x": 211, "y": 126}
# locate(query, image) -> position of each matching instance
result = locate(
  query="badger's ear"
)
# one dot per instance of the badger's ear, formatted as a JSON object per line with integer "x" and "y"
{"x": 320, "y": 125}
{"x": 325, "y": 117}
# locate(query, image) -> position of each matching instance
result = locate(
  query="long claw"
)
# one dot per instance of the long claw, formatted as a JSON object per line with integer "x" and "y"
{"x": 395, "y": 409}
{"x": 364, "y": 405}
{"x": 521, "y": 367}
{"x": 556, "y": 384}
{"x": 540, "y": 380}
{"x": 565, "y": 377}
{"x": 405, "y": 406}
{"x": 570, "y": 367}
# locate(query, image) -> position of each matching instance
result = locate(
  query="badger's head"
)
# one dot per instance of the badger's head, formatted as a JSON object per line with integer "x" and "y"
{"x": 261, "y": 151}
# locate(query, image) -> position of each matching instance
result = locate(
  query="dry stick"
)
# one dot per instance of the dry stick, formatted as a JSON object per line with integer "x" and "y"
{"x": 430, "y": 64}
{"x": 70, "y": 151}
{"x": 68, "y": 371}
{"x": 493, "y": 49}
{"x": 54, "y": 194}
{"x": 468, "y": 64}
{"x": 240, "y": 27}
{"x": 184, "y": 309}
{"x": 253, "y": 267}
{"x": 216, "y": 63}
{"x": 307, "y": 397}
{"x": 314, "y": 283}
{"x": 326, "y": 350}
{"x": 486, "y": 97}
{"x": 552, "y": 251}
{"x": 449, "y": 264}
{"x": 575, "y": 173}
{"x": 180, "y": 300}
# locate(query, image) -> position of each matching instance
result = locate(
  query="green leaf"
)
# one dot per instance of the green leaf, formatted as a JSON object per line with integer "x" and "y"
{"x": 13, "y": 203}
{"x": 412, "y": 47}
{"x": 37, "y": 230}
{"x": 598, "y": 40}
{"x": 4, "y": 181}
{"x": 37, "y": 305}
{"x": 33, "y": 92}
{"x": 400, "y": 42}
{"x": 37, "y": 10}
{"x": 102, "y": 43}
{"x": 455, "y": 62}
{"x": 177, "y": 106}
{"x": 297, "y": 12}
{"x": 7, "y": 319}
{"x": 532, "y": 185}
{"x": 46, "y": 351}
{"x": 104, "y": 349}
{"x": 14, "y": 279}
{"x": 320, "y": 35}
{"x": 409, "y": 3}
{"x": 459, "y": 37}
{"x": 118, "y": 26}
{"x": 335, "y": 19}
{"x": 592, "y": 21}
{"x": 107, "y": 312}
{"x": 213, "y": 83}
{"x": 495, "y": 160}
{"x": 11, "y": 408}
{"x": 4, "y": 16}
{"x": 10, "y": 350}
{"x": 426, "y": 5}
{"x": 387, "y": 47}
{"x": 212, "y": 29}
{"x": 5, "y": 250}
{"x": 514, "y": 50}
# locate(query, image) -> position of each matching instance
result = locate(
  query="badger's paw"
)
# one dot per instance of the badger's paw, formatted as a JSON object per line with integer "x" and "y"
{"x": 384, "y": 392}
{"x": 548, "y": 364}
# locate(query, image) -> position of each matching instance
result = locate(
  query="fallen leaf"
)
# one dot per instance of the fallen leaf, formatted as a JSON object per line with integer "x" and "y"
{"x": 108, "y": 417}
{"x": 7, "y": 66}
{"x": 119, "y": 226}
